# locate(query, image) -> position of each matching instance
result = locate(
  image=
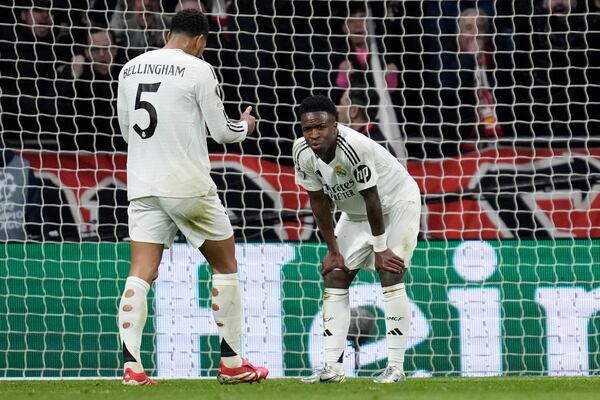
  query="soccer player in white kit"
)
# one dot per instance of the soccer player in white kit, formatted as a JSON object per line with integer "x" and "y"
{"x": 168, "y": 101}
{"x": 380, "y": 208}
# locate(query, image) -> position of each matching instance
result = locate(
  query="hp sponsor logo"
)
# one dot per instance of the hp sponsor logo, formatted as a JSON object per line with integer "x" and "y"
{"x": 362, "y": 174}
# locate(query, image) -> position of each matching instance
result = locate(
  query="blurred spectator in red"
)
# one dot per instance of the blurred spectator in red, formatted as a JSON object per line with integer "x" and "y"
{"x": 86, "y": 96}
{"x": 352, "y": 56}
{"x": 358, "y": 108}
{"x": 469, "y": 82}
{"x": 219, "y": 17}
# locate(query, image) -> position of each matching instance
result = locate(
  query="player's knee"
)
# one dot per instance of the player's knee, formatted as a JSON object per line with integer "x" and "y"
{"x": 225, "y": 267}
{"x": 338, "y": 279}
{"x": 391, "y": 278}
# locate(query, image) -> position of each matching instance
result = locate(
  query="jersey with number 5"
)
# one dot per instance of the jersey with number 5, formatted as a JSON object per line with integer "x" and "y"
{"x": 167, "y": 103}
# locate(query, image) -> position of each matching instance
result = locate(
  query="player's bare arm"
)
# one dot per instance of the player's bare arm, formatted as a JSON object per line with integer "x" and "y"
{"x": 320, "y": 206}
{"x": 385, "y": 259}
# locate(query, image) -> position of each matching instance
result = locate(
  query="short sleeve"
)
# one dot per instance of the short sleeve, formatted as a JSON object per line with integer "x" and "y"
{"x": 364, "y": 172}
{"x": 305, "y": 176}
{"x": 308, "y": 180}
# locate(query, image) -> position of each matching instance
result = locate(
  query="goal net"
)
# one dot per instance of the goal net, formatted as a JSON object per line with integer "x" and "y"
{"x": 490, "y": 105}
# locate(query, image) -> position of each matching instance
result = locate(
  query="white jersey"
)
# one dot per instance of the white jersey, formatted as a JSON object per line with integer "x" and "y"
{"x": 167, "y": 99}
{"x": 359, "y": 163}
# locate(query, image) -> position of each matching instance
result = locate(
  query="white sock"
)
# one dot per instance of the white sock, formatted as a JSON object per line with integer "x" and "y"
{"x": 336, "y": 322}
{"x": 227, "y": 310}
{"x": 133, "y": 311}
{"x": 397, "y": 322}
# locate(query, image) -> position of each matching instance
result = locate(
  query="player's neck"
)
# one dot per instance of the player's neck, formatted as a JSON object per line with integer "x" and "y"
{"x": 180, "y": 42}
{"x": 330, "y": 154}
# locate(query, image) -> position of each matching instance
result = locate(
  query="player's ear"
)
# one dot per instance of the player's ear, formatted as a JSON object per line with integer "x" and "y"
{"x": 168, "y": 37}
{"x": 199, "y": 43}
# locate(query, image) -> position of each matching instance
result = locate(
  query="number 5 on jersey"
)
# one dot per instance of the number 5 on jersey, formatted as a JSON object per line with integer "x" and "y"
{"x": 148, "y": 132}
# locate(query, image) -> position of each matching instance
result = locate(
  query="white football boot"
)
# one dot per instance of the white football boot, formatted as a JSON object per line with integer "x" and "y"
{"x": 327, "y": 374}
{"x": 390, "y": 375}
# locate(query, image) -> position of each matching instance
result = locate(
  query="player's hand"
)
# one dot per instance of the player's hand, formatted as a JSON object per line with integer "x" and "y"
{"x": 77, "y": 64}
{"x": 345, "y": 66}
{"x": 388, "y": 261}
{"x": 250, "y": 119}
{"x": 333, "y": 260}
{"x": 391, "y": 69}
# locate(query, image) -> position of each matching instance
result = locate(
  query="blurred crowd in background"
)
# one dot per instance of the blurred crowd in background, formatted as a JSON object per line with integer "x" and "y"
{"x": 428, "y": 79}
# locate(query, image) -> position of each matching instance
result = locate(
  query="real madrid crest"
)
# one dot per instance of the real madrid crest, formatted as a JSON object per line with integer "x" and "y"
{"x": 340, "y": 171}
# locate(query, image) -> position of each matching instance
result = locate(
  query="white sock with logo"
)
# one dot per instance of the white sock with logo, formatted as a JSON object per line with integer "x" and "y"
{"x": 227, "y": 311}
{"x": 133, "y": 311}
{"x": 397, "y": 323}
{"x": 336, "y": 322}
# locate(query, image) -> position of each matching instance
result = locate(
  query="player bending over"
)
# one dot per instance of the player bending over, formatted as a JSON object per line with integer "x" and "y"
{"x": 167, "y": 98}
{"x": 378, "y": 227}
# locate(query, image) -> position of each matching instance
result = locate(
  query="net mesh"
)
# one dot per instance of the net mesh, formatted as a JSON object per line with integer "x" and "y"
{"x": 490, "y": 105}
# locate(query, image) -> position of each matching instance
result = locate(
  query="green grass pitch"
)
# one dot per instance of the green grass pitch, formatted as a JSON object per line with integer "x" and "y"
{"x": 521, "y": 388}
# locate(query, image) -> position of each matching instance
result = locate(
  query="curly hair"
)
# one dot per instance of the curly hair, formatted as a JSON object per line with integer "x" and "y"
{"x": 190, "y": 23}
{"x": 317, "y": 103}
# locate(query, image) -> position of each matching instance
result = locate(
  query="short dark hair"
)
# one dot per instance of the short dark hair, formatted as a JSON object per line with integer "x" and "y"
{"x": 316, "y": 104}
{"x": 25, "y": 4}
{"x": 190, "y": 23}
{"x": 355, "y": 7}
{"x": 362, "y": 96}
{"x": 97, "y": 29}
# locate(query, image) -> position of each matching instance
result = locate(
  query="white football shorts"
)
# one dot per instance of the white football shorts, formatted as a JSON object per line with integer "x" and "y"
{"x": 157, "y": 219}
{"x": 401, "y": 225}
